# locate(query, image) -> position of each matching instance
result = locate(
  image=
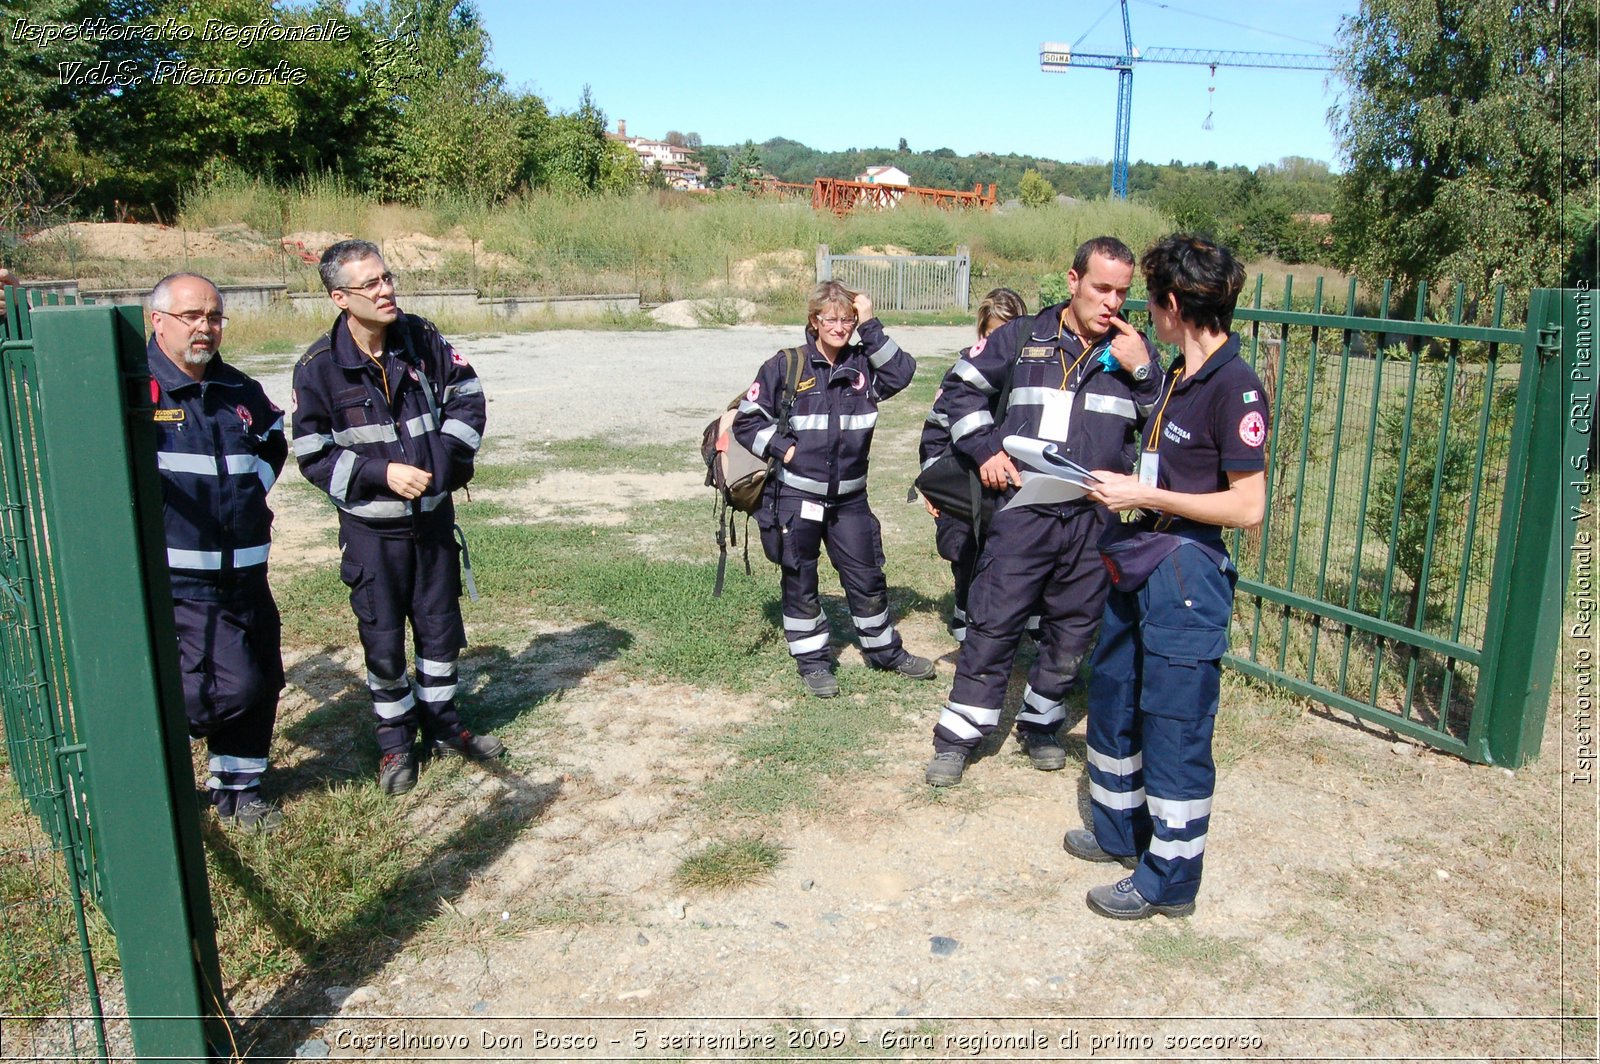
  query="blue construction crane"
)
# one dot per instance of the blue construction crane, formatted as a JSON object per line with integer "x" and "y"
{"x": 1057, "y": 58}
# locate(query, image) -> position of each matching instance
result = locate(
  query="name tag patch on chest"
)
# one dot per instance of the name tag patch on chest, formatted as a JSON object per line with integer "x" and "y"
{"x": 805, "y": 385}
{"x": 1038, "y": 352}
{"x": 1175, "y": 433}
{"x": 169, "y": 416}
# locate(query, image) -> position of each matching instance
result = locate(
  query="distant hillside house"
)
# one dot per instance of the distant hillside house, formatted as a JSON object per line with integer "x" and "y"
{"x": 676, "y": 163}
{"x": 885, "y": 175}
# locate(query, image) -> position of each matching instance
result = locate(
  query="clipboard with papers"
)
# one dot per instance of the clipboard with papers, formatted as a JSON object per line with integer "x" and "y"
{"x": 1047, "y": 475}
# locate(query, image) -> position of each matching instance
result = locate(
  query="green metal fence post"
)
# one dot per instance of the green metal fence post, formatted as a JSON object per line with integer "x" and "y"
{"x": 122, "y": 654}
{"x": 1520, "y": 640}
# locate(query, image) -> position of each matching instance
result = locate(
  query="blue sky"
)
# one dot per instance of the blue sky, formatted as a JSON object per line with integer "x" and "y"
{"x": 940, "y": 73}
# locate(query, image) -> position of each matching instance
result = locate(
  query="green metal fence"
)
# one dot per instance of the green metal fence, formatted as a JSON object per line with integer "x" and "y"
{"x": 1406, "y": 570}
{"x": 106, "y": 833}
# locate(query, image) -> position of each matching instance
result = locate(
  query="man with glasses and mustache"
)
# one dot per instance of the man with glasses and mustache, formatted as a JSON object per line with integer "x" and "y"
{"x": 388, "y": 419}
{"x": 220, "y": 448}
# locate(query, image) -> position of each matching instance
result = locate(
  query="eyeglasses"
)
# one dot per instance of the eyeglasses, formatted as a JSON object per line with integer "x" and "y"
{"x": 831, "y": 322}
{"x": 370, "y": 288}
{"x": 193, "y": 318}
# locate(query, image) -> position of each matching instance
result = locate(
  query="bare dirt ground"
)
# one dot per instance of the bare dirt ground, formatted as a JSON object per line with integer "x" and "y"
{"x": 1364, "y": 898}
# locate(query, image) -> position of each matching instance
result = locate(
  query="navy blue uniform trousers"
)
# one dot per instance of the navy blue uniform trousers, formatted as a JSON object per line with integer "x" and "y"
{"x": 393, "y": 579}
{"x": 849, "y": 530}
{"x": 229, "y": 652}
{"x": 1152, "y": 705}
{"x": 1033, "y": 559}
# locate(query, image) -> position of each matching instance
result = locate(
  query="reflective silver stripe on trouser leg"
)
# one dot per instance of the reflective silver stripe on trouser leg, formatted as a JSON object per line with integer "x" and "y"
{"x": 229, "y": 773}
{"x": 436, "y": 681}
{"x": 875, "y": 631}
{"x": 805, "y": 634}
{"x": 1040, "y": 712}
{"x": 967, "y": 724}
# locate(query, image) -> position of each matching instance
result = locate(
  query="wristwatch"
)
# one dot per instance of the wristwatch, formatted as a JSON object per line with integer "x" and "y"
{"x": 1144, "y": 371}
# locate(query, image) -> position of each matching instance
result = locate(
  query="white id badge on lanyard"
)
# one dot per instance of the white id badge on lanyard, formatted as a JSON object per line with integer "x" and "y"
{"x": 1057, "y": 416}
{"x": 811, "y": 511}
{"x": 1149, "y": 467}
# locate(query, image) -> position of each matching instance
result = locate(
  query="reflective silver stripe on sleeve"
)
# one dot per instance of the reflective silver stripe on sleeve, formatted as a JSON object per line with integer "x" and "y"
{"x": 856, "y": 422}
{"x": 472, "y": 387}
{"x": 245, "y": 557}
{"x": 1109, "y": 404}
{"x": 970, "y": 373}
{"x": 247, "y": 464}
{"x": 420, "y": 424}
{"x": 194, "y": 559}
{"x": 1178, "y": 813}
{"x": 970, "y": 424}
{"x": 932, "y": 460}
{"x": 462, "y": 431}
{"x": 276, "y": 426}
{"x": 1116, "y": 799}
{"x": 883, "y": 354}
{"x": 365, "y": 434}
{"x": 1030, "y": 396}
{"x": 809, "y": 422}
{"x": 747, "y": 407}
{"x": 315, "y": 443}
{"x": 339, "y": 483}
{"x": 764, "y": 440}
{"x": 431, "y": 502}
{"x": 1175, "y": 848}
{"x": 940, "y": 419}
{"x": 200, "y": 464}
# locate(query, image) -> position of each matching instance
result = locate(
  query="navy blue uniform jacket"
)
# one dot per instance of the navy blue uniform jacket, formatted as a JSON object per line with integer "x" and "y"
{"x": 219, "y": 447}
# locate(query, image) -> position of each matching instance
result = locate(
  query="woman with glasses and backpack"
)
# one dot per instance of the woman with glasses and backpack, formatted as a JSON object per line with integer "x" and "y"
{"x": 819, "y": 437}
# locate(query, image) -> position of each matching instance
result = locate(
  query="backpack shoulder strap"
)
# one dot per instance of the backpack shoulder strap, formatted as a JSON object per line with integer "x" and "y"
{"x": 791, "y": 380}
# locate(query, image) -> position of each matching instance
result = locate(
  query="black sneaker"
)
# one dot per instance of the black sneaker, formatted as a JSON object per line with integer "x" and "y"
{"x": 469, "y": 746}
{"x": 397, "y": 773}
{"x": 915, "y": 668}
{"x": 946, "y": 768}
{"x": 253, "y": 814}
{"x": 823, "y": 684}
{"x": 1044, "y": 750}
{"x": 1081, "y": 843}
{"x": 1121, "y": 901}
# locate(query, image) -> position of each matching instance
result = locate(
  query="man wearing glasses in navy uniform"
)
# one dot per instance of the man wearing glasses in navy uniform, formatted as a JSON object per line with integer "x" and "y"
{"x": 388, "y": 420}
{"x": 220, "y": 448}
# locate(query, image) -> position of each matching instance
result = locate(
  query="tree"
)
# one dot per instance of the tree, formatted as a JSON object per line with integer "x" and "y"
{"x": 1468, "y": 125}
{"x": 1035, "y": 190}
{"x": 747, "y": 167}
{"x": 903, "y": 149}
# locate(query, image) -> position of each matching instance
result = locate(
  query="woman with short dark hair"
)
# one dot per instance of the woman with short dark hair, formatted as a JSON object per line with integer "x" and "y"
{"x": 1157, "y": 667}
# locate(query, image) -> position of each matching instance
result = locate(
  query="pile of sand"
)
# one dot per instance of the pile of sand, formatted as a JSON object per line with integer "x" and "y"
{"x": 422, "y": 251}
{"x": 703, "y": 313}
{"x": 128, "y": 240}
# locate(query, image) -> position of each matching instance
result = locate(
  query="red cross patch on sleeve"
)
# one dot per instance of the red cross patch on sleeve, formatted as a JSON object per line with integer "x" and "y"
{"x": 1253, "y": 429}
{"x": 455, "y": 356}
{"x": 754, "y": 393}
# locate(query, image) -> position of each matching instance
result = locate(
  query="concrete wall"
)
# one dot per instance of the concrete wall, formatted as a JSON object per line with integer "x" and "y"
{"x": 243, "y": 299}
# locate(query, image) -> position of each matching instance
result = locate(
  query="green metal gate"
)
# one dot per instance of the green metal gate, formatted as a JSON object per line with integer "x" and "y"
{"x": 1408, "y": 569}
{"x": 96, "y": 739}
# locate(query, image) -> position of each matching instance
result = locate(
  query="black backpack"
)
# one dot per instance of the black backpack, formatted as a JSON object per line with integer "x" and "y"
{"x": 739, "y": 477}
